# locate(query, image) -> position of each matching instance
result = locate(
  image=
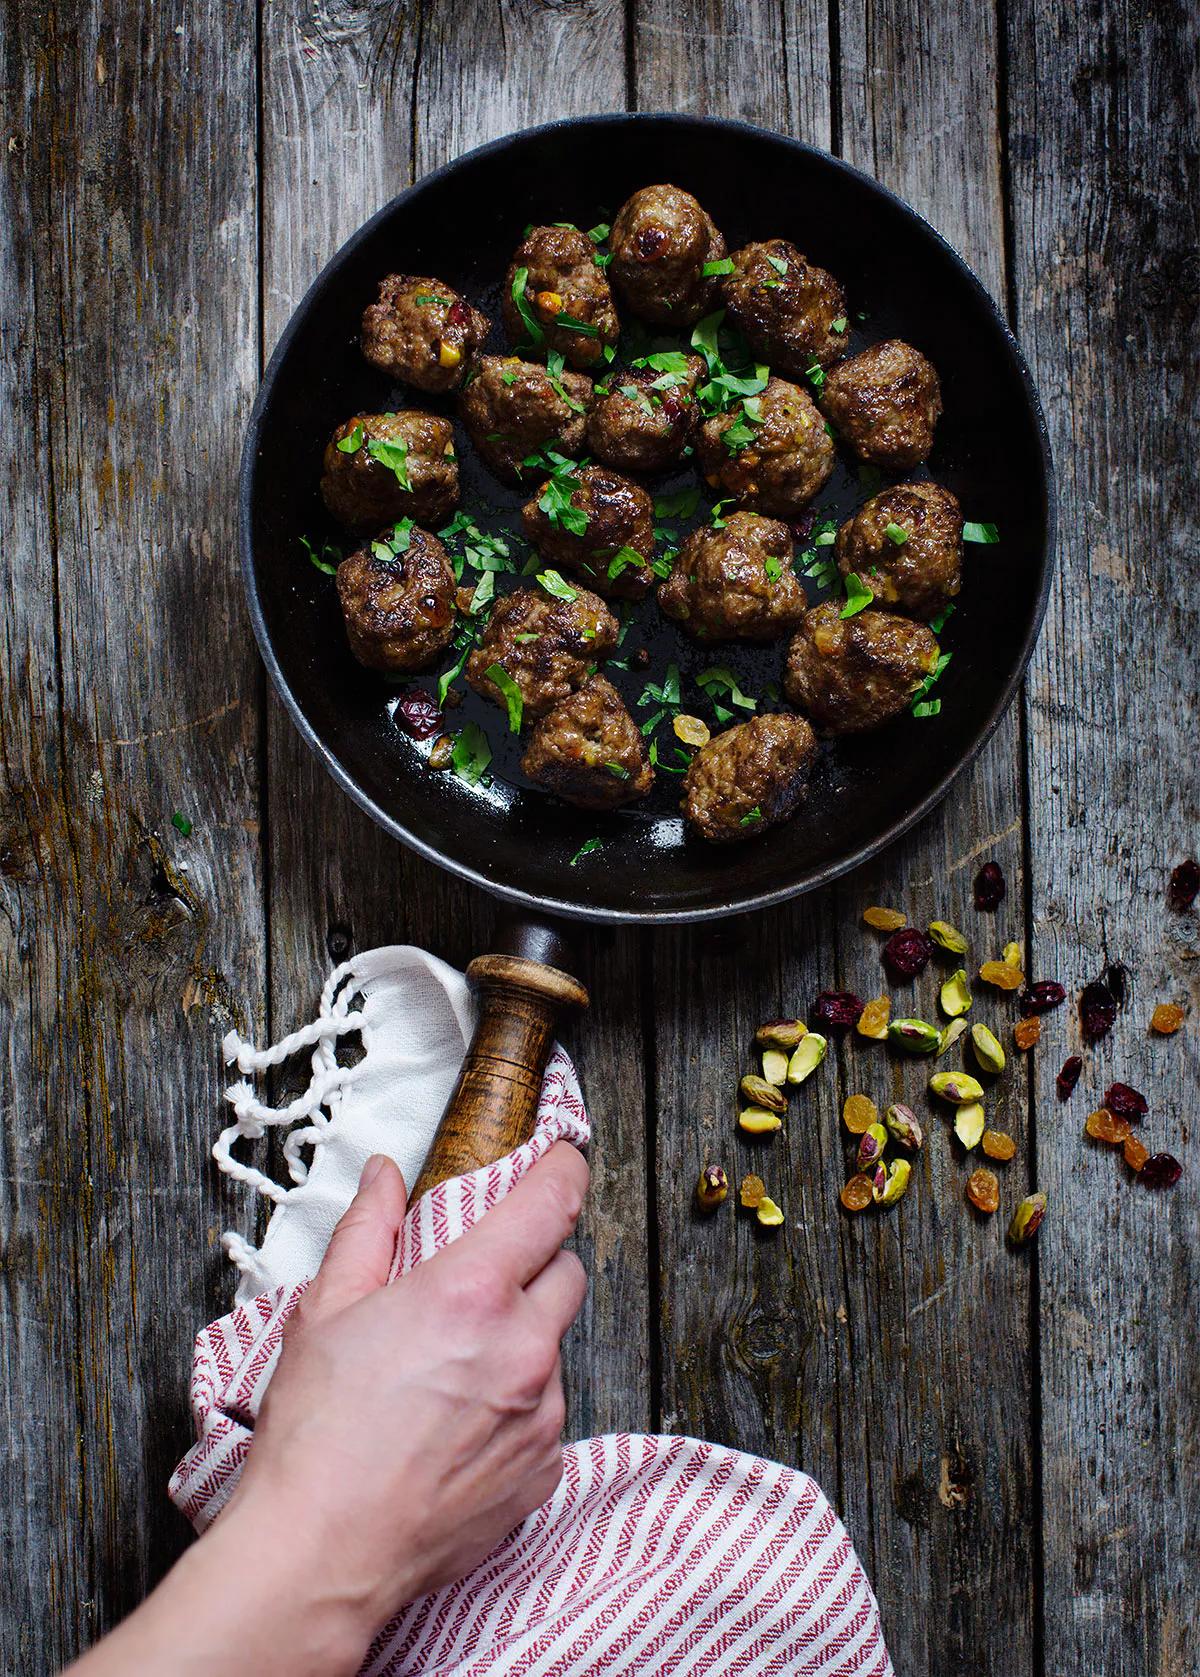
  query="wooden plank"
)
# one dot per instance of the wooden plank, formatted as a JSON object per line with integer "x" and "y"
{"x": 889, "y": 1357}
{"x": 1104, "y": 149}
{"x": 129, "y": 693}
{"x": 353, "y": 109}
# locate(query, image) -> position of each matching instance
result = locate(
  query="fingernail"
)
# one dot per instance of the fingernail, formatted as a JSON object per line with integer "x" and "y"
{"x": 371, "y": 1170}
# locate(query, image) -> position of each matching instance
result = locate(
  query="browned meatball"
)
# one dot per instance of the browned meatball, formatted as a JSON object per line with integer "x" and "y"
{"x": 906, "y": 545}
{"x": 545, "y": 644}
{"x": 785, "y": 307}
{"x": 397, "y": 597}
{"x": 562, "y": 282}
{"x": 854, "y": 673}
{"x": 736, "y": 583}
{"x": 749, "y": 778}
{"x": 642, "y": 419}
{"x": 423, "y": 332}
{"x": 885, "y": 403}
{"x": 383, "y": 466}
{"x": 512, "y": 409}
{"x": 612, "y": 551}
{"x": 772, "y": 452}
{"x": 660, "y": 242}
{"x": 588, "y": 750}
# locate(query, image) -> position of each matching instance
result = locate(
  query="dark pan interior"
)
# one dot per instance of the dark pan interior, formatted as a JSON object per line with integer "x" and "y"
{"x": 461, "y": 225}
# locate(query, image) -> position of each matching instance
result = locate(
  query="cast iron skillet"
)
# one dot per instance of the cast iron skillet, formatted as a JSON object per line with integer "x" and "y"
{"x": 461, "y": 224}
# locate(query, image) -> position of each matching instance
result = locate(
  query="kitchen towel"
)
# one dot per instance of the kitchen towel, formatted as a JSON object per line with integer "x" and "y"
{"x": 655, "y": 1555}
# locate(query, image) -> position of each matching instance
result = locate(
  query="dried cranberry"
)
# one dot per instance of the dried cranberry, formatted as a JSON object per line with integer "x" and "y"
{"x": 989, "y": 886}
{"x": 907, "y": 952}
{"x": 673, "y": 405}
{"x": 1161, "y": 1170}
{"x": 1185, "y": 885}
{"x": 1068, "y": 1077}
{"x": 649, "y": 241}
{"x": 839, "y": 1009}
{"x": 420, "y": 714}
{"x": 1042, "y": 996}
{"x": 1124, "y": 1102}
{"x": 802, "y": 528}
{"x": 457, "y": 314}
{"x": 1097, "y": 1010}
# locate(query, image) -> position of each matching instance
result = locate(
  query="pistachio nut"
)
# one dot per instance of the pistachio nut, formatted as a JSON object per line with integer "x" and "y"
{"x": 1011, "y": 955}
{"x": 955, "y": 997}
{"x": 775, "y": 1064}
{"x": 756, "y": 1120}
{"x": 914, "y": 1036}
{"x": 1027, "y": 1219}
{"x": 969, "y": 1124}
{"x": 950, "y": 1035}
{"x": 768, "y": 1213}
{"x": 902, "y": 1126}
{"x": 956, "y": 1086}
{"x": 807, "y": 1057}
{"x": 758, "y": 1092}
{"x": 442, "y": 752}
{"x": 895, "y": 1181}
{"x": 780, "y": 1033}
{"x": 948, "y": 937}
{"x": 871, "y": 1144}
{"x": 987, "y": 1049}
{"x": 712, "y": 1187}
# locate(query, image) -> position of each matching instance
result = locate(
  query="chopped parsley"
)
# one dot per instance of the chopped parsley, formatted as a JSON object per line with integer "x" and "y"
{"x": 815, "y": 374}
{"x": 825, "y": 533}
{"x": 669, "y": 767}
{"x": 722, "y": 265}
{"x": 838, "y": 325}
{"x": 585, "y": 849}
{"x": 986, "y": 533}
{"x": 617, "y": 770}
{"x": 721, "y": 679}
{"x": 680, "y": 505}
{"x": 524, "y": 640}
{"x": 930, "y": 707}
{"x": 751, "y": 816}
{"x": 665, "y": 361}
{"x": 399, "y": 541}
{"x": 532, "y": 324}
{"x": 556, "y": 585}
{"x": 778, "y": 263}
{"x": 666, "y": 695}
{"x": 896, "y": 533}
{"x": 718, "y": 523}
{"x": 504, "y": 683}
{"x": 471, "y": 754}
{"x": 573, "y": 325}
{"x": 181, "y": 823}
{"x": 858, "y": 596}
{"x": 561, "y": 484}
{"x": 480, "y": 549}
{"x": 428, "y": 299}
{"x": 393, "y": 455}
{"x": 599, "y": 232}
{"x": 773, "y": 567}
{"x": 740, "y": 434}
{"x": 352, "y": 443}
{"x": 485, "y": 590}
{"x": 321, "y": 559}
{"x": 554, "y": 370}
{"x": 622, "y": 559}
{"x": 938, "y": 623}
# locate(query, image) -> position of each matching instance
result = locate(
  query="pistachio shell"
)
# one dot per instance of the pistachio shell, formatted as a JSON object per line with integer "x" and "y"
{"x": 775, "y": 1064}
{"x": 768, "y": 1213}
{"x": 987, "y": 1048}
{"x": 902, "y": 1126}
{"x": 948, "y": 936}
{"x": 870, "y": 1146}
{"x": 957, "y": 1086}
{"x": 950, "y": 1035}
{"x": 1027, "y": 1219}
{"x": 955, "y": 997}
{"x": 895, "y": 1181}
{"x": 712, "y": 1187}
{"x": 807, "y": 1057}
{"x": 756, "y": 1120}
{"x": 780, "y": 1033}
{"x": 759, "y": 1092}
{"x": 914, "y": 1036}
{"x": 969, "y": 1124}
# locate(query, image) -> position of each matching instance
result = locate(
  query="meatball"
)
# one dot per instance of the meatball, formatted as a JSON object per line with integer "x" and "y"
{"x": 562, "y": 281}
{"x": 660, "y": 242}
{"x": 397, "y": 596}
{"x": 906, "y": 545}
{"x": 785, "y": 307}
{"x": 546, "y": 645}
{"x": 422, "y": 332}
{"x": 885, "y": 403}
{"x": 612, "y": 552}
{"x": 771, "y": 453}
{"x": 736, "y": 583}
{"x": 383, "y": 466}
{"x": 588, "y": 750}
{"x": 642, "y": 419}
{"x": 749, "y": 778}
{"x": 512, "y": 409}
{"x": 856, "y": 672}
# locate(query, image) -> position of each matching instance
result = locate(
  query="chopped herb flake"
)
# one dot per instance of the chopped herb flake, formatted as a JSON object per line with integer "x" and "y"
{"x": 986, "y": 533}
{"x": 838, "y": 325}
{"x": 617, "y": 770}
{"x": 599, "y": 232}
{"x": 181, "y": 823}
{"x": 718, "y": 523}
{"x": 723, "y": 265}
{"x": 778, "y": 263}
{"x": 773, "y": 567}
{"x": 896, "y": 533}
{"x": 858, "y": 596}
{"x": 504, "y": 683}
{"x": 585, "y": 849}
{"x": 573, "y": 325}
{"x": 555, "y": 584}
{"x": 484, "y": 593}
{"x": 425, "y": 299}
{"x": 393, "y": 455}
{"x": 928, "y": 707}
{"x": 751, "y": 816}
{"x": 532, "y": 324}
{"x": 352, "y": 443}
{"x": 471, "y": 754}
{"x": 322, "y": 560}
{"x": 622, "y": 559}
{"x": 680, "y": 505}
{"x": 919, "y": 708}
{"x": 721, "y": 679}
{"x": 938, "y": 623}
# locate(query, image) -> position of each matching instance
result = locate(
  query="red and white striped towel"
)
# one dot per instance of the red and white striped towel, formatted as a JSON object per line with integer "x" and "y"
{"x": 655, "y": 1555}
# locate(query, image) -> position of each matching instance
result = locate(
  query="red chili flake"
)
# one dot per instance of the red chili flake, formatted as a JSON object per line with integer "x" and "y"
{"x": 1161, "y": 1170}
{"x": 989, "y": 887}
{"x": 907, "y": 952}
{"x": 1042, "y": 996}
{"x": 802, "y": 528}
{"x": 838, "y": 1009}
{"x": 1185, "y": 885}
{"x": 1097, "y": 1010}
{"x": 1068, "y": 1077}
{"x": 1124, "y": 1102}
{"x": 420, "y": 714}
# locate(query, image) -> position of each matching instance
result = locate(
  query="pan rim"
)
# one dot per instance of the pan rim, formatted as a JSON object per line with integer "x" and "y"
{"x": 730, "y": 905}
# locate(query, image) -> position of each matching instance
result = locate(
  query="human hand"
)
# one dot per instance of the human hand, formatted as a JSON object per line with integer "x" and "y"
{"x": 407, "y": 1429}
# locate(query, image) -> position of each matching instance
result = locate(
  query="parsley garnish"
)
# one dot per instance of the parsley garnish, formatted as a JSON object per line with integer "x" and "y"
{"x": 599, "y": 232}
{"x": 722, "y": 265}
{"x": 740, "y": 434}
{"x": 352, "y": 443}
{"x": 773, "y": 567}
{"x": 721, "y": 679}
{"x": 424, "y": 299}
{"x": 573, "y": 325}
{"x": 524, "y": 640}
{"x": 815, "y": 376}
{"x": 532, "y": 325}
{"x": 500, "y": 679}
{"x": 669, "y": 767}
{"x": 481, "y": 550}
{"x": 585, "y": 849}
{"x": 928, "y": 707}
{"x": 321, "y": 559}
{"x": 554, "y": 369}
{"x": 617, "y": 770}
{"x": 938, "y": 623}
{"x": 555, "y": 499}
{"x": 718, "y": 523}
{"x": 838, "y": 325}
{"x": 622, "y": 559}
{"x": 986, "y": 533}
{"x": 858, "y": 596}
{"x": 666, "y": 695}
{"x": 485, "y": 590}
{"x": 556, "y": 585}
{"x": 665, "y": 361}
{"x": 393, "y": 455}
{"x": 181, "y": 823}
{"x": 896, "y": 533}
{"x": 778, "y": 263}
{"x": 680, "y": 505}
{"x": 471, "y": 754}
{"x": 751, "y": 816}
{"x": 931, "y": 707}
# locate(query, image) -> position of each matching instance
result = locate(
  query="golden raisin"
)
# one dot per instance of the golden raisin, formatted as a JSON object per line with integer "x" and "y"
{"x": 1166, "y": 1018}
{"x": 983, "y": 1190}
{"x": 1135, "y": 1154}
{"x": 1001, "y": 975}
{"x": 998, "y": 1145}
{"x": 691, "y": 730}
{"x": 873, "y": 1020}
{"x": 1027, "y": 1031}
{"x": 1102, "y": 1126}
{"x": 885, "y": 919}
{"x": 753, "y": 1189}
{"x": 856, "y": 1195}
{"x": 859, "y": 1114}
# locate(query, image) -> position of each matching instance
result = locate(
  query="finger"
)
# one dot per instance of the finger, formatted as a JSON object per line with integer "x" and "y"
{"x": 521, "y": 1234}
{"x": 359, "y": 1257}
{"x": 558, "y": 1292}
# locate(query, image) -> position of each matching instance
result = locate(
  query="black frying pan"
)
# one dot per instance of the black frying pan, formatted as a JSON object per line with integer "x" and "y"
{"x": 461, "y": 224}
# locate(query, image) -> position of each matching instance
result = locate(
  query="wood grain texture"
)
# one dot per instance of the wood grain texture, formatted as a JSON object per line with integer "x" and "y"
{"x": 130, "y": 692}
{"x": 1104, "y": 148}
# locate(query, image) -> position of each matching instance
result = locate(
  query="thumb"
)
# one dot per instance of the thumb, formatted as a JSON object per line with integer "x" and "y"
{"x": 360, "y": 1252}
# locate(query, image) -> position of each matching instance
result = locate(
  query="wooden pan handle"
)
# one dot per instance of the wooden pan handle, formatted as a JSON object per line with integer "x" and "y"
{"x": 494, "y": 1103}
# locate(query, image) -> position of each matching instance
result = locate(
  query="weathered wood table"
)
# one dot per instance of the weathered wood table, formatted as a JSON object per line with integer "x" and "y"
{"x": 1012, "y": 1440}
